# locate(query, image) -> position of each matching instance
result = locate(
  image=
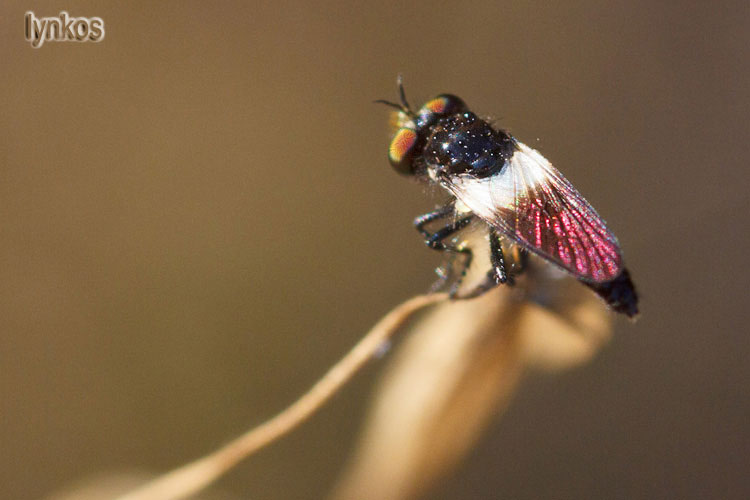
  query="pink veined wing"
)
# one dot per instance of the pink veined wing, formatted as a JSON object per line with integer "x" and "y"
{"x": 532, "y": 203}
{"x": 548, "y": 216}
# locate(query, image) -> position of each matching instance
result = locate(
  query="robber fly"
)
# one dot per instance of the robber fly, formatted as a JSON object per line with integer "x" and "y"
{"x": 513, "y": 189}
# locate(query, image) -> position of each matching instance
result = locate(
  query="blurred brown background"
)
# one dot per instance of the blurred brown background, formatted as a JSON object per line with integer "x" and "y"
{"x": 197, "y": 218}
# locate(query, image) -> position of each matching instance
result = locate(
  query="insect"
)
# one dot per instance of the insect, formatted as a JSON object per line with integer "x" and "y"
{"x": 495, "y": 179}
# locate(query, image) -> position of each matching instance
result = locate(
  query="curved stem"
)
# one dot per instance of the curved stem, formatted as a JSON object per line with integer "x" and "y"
{"x": 196, "y": 475}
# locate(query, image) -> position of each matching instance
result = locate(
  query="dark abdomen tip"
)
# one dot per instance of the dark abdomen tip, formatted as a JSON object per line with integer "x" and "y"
{"x": 619, "y": 293}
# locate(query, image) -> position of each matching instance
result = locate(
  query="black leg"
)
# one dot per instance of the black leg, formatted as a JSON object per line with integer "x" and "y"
{"x": 436, "y": 241}
{"x": 521, "y": 260}
{"x": 498, "y": 274}
{"x": 498, "y": 271}
{"x": 441, "y": 213}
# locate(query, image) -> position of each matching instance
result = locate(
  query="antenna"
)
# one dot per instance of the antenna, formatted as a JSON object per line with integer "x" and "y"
{"x": 404, "y": 106}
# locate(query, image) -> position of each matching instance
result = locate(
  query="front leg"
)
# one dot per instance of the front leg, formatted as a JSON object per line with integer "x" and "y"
{"x": 441, "y": 213}
{"x": 436, "y": 240}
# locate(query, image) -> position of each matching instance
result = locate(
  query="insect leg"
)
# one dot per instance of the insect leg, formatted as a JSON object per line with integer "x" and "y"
{"x": 498, "y": 274}
{"x": 441, "y": 213}
{"x": 498, "y": 271}
{"x": 435, "y": 241}
{"x": 521, "y": 260}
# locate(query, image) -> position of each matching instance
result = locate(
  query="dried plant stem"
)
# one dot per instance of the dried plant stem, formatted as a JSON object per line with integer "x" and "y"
{"x": 193, "y": 477}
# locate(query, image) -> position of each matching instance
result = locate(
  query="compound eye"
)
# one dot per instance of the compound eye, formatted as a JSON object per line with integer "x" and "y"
{"x": 442, "y": 105}
{"x": 401, "y": 151}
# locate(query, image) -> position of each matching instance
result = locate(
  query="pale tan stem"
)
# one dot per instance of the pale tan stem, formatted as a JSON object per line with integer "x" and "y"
{"x": 193, "y": 477}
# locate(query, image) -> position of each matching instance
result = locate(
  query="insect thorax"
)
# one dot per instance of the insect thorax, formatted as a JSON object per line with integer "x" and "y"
{"x": 463, "y": 143}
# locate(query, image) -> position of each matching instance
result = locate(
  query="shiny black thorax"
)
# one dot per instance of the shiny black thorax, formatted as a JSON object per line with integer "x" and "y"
{"x": 464, "y": 143}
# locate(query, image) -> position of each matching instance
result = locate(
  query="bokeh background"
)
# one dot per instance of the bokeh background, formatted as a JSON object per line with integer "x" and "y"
{"x": 197, "y": 218}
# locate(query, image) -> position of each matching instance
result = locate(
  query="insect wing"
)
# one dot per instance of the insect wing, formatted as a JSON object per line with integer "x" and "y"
{"x": 548, "y": 216}
{"x": 533, "y": 204}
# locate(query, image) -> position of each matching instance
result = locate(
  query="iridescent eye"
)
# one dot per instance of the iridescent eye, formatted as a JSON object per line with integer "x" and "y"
{"x": 401, "y": 151}
{"x": 442, "y": 105}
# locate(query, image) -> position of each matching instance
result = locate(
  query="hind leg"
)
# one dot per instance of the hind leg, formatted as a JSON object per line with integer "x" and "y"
{"x": 498, "y": 274}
